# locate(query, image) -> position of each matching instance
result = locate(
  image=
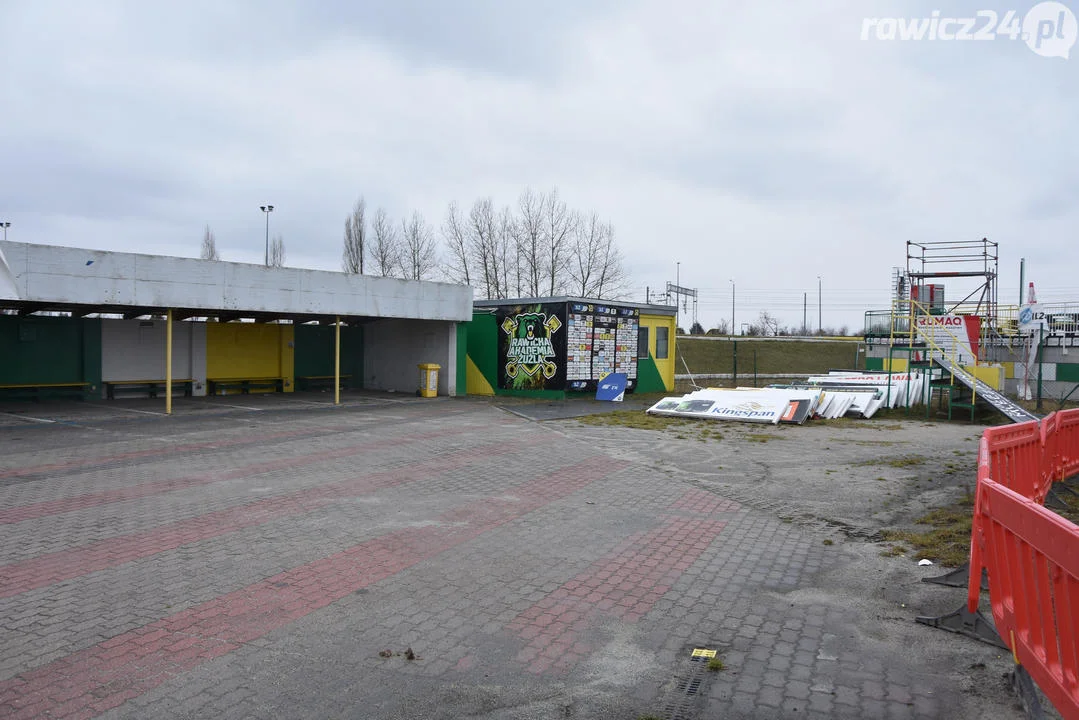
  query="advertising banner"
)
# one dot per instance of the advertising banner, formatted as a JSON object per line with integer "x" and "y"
{"x": 957, "y": 335}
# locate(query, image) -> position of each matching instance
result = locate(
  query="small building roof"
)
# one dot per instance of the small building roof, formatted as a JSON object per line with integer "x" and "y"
{"x": 643, "y": 307}
{"x": 48, "y": 277}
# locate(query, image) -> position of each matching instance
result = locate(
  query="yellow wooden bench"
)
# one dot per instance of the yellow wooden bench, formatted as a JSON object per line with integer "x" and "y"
{"x": 152, "y": 386}
{"x": 245, "y": 384}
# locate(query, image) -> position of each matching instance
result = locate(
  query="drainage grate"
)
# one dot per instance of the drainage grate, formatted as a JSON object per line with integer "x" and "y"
{"x": 684, "y": 700}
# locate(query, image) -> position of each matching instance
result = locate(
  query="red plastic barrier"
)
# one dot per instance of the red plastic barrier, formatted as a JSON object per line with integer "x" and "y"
{"x": 977, "y": 537}
{"x": 1032, "y": 556}
{"x": 1067, "y": 437}
{"x": 1051, "y": 461}
{"x": 1015, "y": 457}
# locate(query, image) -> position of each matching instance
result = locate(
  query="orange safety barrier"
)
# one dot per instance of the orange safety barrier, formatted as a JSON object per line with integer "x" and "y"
{"x": 1032, "y": 555}
{"x": 1068, "y": 443}
{"x": 1015, "y": 456}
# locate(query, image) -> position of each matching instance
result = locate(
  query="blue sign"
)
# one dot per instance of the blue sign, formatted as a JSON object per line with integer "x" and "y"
{"x": 612, "y": 387}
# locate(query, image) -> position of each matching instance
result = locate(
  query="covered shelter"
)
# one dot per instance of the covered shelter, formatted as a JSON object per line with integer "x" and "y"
{"x": 100, "y": 322}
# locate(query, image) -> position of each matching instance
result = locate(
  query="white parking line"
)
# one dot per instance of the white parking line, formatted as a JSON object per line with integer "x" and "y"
{"x": 27, "y": 417}
{"x": 144, "y": 412}
{"x": 241, "y": 407}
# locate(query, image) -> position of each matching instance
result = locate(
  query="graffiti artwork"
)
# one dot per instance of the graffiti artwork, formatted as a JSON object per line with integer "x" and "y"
{"x": 530, "y": 356}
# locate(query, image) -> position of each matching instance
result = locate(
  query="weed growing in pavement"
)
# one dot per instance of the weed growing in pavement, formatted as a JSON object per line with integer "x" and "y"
{"x": 716, "y": 665}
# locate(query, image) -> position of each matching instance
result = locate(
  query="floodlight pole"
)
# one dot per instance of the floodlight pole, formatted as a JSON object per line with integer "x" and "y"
{"x": 732, "y": 306}
{"x": 267, "y": 209}
{"x": 5, "y": 225}
{"x": 820, "y": 309}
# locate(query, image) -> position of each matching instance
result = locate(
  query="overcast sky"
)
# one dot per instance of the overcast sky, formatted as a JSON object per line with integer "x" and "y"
{"x": 762, "y": 142}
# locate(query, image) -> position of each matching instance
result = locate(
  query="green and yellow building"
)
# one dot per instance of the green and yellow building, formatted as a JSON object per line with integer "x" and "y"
{"x": 550, "y": 347}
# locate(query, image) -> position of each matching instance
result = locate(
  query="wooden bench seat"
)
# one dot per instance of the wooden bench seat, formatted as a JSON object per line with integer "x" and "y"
{"x": 150, "y": 386}
{"x": 34, "y": 389}
{"x": 245, "y": 385}
{"x": 304, "y": 382}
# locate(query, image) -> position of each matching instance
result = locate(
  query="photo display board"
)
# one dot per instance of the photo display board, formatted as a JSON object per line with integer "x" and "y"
{"x": 600, "y": 339}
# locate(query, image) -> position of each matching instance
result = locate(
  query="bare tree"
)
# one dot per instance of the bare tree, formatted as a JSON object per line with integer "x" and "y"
{"x": 419, "y": 250}
{"x": 530, "y": 240}
{"x": 277, "y": 251}
{"x": 355, "y": 238}
{"x": 385, "y": 246}
{"x": 458, "y": 250}
{"x": 481, "y": 231}
{"x": 558, "y": 224}
{"x": 209, "y": 246}
{"x": 506, "y": 242}
{"x": 767, "y": 324}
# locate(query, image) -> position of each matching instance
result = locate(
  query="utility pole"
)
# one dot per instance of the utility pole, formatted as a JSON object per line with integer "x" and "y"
{"x": 5, "y": 225}
{"x": 267, "y": 209}
{"x": 805, "y": 304}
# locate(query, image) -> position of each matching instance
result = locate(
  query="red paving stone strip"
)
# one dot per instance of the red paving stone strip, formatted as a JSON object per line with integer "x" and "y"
{"x": 157, "y": 452}
{"x": 624, "y": 584}
{"x": 74, "y": 562}
{"x": 704, "y": 503}
{"x": 106, "y": 675}
{"x": 133, "y": 492}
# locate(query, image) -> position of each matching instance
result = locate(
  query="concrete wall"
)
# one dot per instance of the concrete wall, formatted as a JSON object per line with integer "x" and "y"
{"x": 48, "y": 274}
{"x": 393, "y": 348}
{"x": 135, "y": 350}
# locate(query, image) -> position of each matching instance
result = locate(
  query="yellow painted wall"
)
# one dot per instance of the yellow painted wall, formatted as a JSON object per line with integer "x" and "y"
{"x": 897, "y": 364}
{"x": 665, "y": 367}
{"x": 1009, "y": 370}
{"x": 991, "y": 375}
{"x": 476, "y": 383}
{"x": 250, "y": 350}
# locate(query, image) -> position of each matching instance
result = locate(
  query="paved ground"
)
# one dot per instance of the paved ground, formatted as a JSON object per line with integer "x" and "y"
{"x": 274, "y": 556}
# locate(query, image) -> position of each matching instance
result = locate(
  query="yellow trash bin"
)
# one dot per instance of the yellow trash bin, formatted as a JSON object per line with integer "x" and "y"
{"x": 429, "y": 379}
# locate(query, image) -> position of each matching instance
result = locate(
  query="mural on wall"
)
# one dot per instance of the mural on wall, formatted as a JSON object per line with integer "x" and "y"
{"x": 531, "y": 348}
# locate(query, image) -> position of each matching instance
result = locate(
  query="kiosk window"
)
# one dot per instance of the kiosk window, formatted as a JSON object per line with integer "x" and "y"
{"x": 661, "y": 343}
{"x": 642, "y": 343}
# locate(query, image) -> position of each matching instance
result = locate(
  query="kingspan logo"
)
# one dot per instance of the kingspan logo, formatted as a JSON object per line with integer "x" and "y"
{"x": 748, "y": 409}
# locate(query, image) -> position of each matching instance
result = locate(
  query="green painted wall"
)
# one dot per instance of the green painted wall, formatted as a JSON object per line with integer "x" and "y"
{"x": 482, "y": 345}
{"x": 462, "y": 358}
{"x": 648, "y": 378}
{"x": 50, "y": 350}
{"x": 1068, "y": 372}
{"x": 874, "y": 363}
{"x": 314, "y": 352}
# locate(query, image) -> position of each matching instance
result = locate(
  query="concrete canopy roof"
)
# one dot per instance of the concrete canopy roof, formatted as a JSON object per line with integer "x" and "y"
{"x": 81, "y": 281}
{"x": 650, "y": 309}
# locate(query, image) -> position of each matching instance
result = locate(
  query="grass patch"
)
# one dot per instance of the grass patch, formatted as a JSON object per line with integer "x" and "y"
{"x": 894, "y": 551}
{"x": 829, "y": 541}
{"x": 1070, "y": 511}
{"x": 761, "y": 437}
{"x": 716, "y": 665}
{"x": 637, "y": 419}
{"x": 947, "y": 542}
{"x": 772, "y": 356}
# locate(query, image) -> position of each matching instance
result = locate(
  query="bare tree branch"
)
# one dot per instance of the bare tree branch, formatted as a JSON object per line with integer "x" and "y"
{"x": 530, "y": 240}
{"x": 385, "y": 246}
{"x": 277, "y": 251}
{"x": 455, "y": 235}
{"x": 557, "y": 227}
{"x": 420, "y": 252}
{"x": 209, "y": 246}
{"x": 352, "y": 256}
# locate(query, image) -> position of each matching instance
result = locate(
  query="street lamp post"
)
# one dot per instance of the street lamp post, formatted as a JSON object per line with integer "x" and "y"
{"x": 678, "y": 284}
{"x": 5, "y": 225}
{"x": 267, "y": 209}
{"x": 820, "y": 310}
{"x": 732, "y": 306}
